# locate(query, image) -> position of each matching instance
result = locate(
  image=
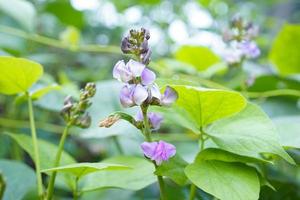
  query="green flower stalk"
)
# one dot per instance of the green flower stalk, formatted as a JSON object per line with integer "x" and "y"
{"x": 35, "y": 147}
{"x": 74, "y": 114}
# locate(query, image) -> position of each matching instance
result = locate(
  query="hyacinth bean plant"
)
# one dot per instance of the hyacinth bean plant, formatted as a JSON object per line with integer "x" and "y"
{"x": 141, "y": 90}
{"x": 232, "y": 140}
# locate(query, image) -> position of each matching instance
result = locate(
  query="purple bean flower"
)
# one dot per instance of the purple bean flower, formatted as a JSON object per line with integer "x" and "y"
{"x": 233, "y": 56}
{"x": 131, "y": 71}
{"x": 155, "y": 119}
{"x": 158, "y": 151}
{"x": 132, "y": 95}
{"x": 169, "y": 97}
{"x": 249, "y": 49}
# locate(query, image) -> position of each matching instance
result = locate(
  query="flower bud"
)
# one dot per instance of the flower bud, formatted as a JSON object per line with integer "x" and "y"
{"x": 85, "y": 121}
{"x": 109, "y": 121}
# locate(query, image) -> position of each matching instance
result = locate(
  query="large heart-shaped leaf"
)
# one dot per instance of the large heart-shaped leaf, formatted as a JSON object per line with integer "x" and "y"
{"x": 18, "y": 74}
{"x": 285, "y": 50}
{"x": 248, "y": 133}
{"x": 140, "y": 176}
{"x": 203, "y": 106}
{"x": 19, "y": 179}
{"x": 81, "y": 169}
{"x": 226, "y": 181}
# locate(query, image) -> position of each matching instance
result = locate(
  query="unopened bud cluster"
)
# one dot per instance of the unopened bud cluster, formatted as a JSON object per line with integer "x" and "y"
{"x": 136, "y": 43}
{"x": 240, "y": 37}
{"x": 74, "y": 112}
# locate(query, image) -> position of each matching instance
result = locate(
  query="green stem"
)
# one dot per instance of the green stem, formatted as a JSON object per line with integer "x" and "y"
{"x": 192, "y": 192}
{"x": 75, "y": 192}
{"x": 147, "y": 134}
{"x": 117, "y": 144}
{"x": 58, "y": 44}
{"x": 56, "y": 162}
{"x": 35, "y": 147}
{"x": 193, "y": 188}
{"x": 2, "y": 186}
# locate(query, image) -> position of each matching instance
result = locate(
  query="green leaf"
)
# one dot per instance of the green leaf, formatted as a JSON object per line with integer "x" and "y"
{"x": 288, "y": 128}
{"x": 81, "y": 169}
{"x": 64, "y": 12}
{"x": 140, "y": 176}
{"x": 47, "y": 150}
{"x": 285, "y": 50}
{"x": 221, "y": 155}
{"x": 174, "y": 169}
{"x": 226, "y": 181}
{"x": 19, "y": 179}
{"x": 18, "y": 74}
{"x": 22, "y": 11}
{"x": 248, "y": 133}
{"x": 37, "y": 94}
{"x": 200, "y": 57}
{"x": 205, "y": 106}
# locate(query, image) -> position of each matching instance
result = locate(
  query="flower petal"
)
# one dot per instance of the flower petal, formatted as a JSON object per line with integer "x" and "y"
{"x": 148, "y": 76}
{"x": 140, "y": 94}
{"x": 169, "y": 97}
{"x": 121, "y": 72}
{"x": 149, "y": 148}
{"x": 139, "y": 116}
{"x": 155, "y": 120}
{"x": 136, "y": 68}
{"x": 126, "y": 96}
{"x": 155, "y": 92}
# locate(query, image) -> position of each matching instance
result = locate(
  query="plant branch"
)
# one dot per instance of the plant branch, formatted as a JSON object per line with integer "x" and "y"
{"x": 147, "y": 134}
{"x": 57, "y": 43}
{"x": 273, "y": 93}
{"x": 56, "y": 162}
{"x": 35, "y": 147}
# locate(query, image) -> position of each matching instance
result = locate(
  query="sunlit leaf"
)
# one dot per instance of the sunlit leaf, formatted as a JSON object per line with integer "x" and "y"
{"x": 248, "y": 133}
{"x": 202, "y": 106}
{"x": 139, "y": 176}
{"x": 18, "y": 74}
{"x": 199, "y": 57}
{"x": 285, "y": 50}
{"x": 82, "y": 169}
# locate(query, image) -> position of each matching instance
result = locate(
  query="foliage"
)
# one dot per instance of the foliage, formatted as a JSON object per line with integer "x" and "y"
{"x": 235, "y": 88}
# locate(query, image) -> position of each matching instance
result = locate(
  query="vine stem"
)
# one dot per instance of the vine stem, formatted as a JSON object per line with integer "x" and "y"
{"x": 57, "y": 43}
{"x": 35, "y": 146}
{"x": 56, "y": 162}
{"x": 147, "y": 134}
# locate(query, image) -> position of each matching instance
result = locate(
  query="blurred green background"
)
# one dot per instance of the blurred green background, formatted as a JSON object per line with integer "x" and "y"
{"x": 78, "y": 41}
